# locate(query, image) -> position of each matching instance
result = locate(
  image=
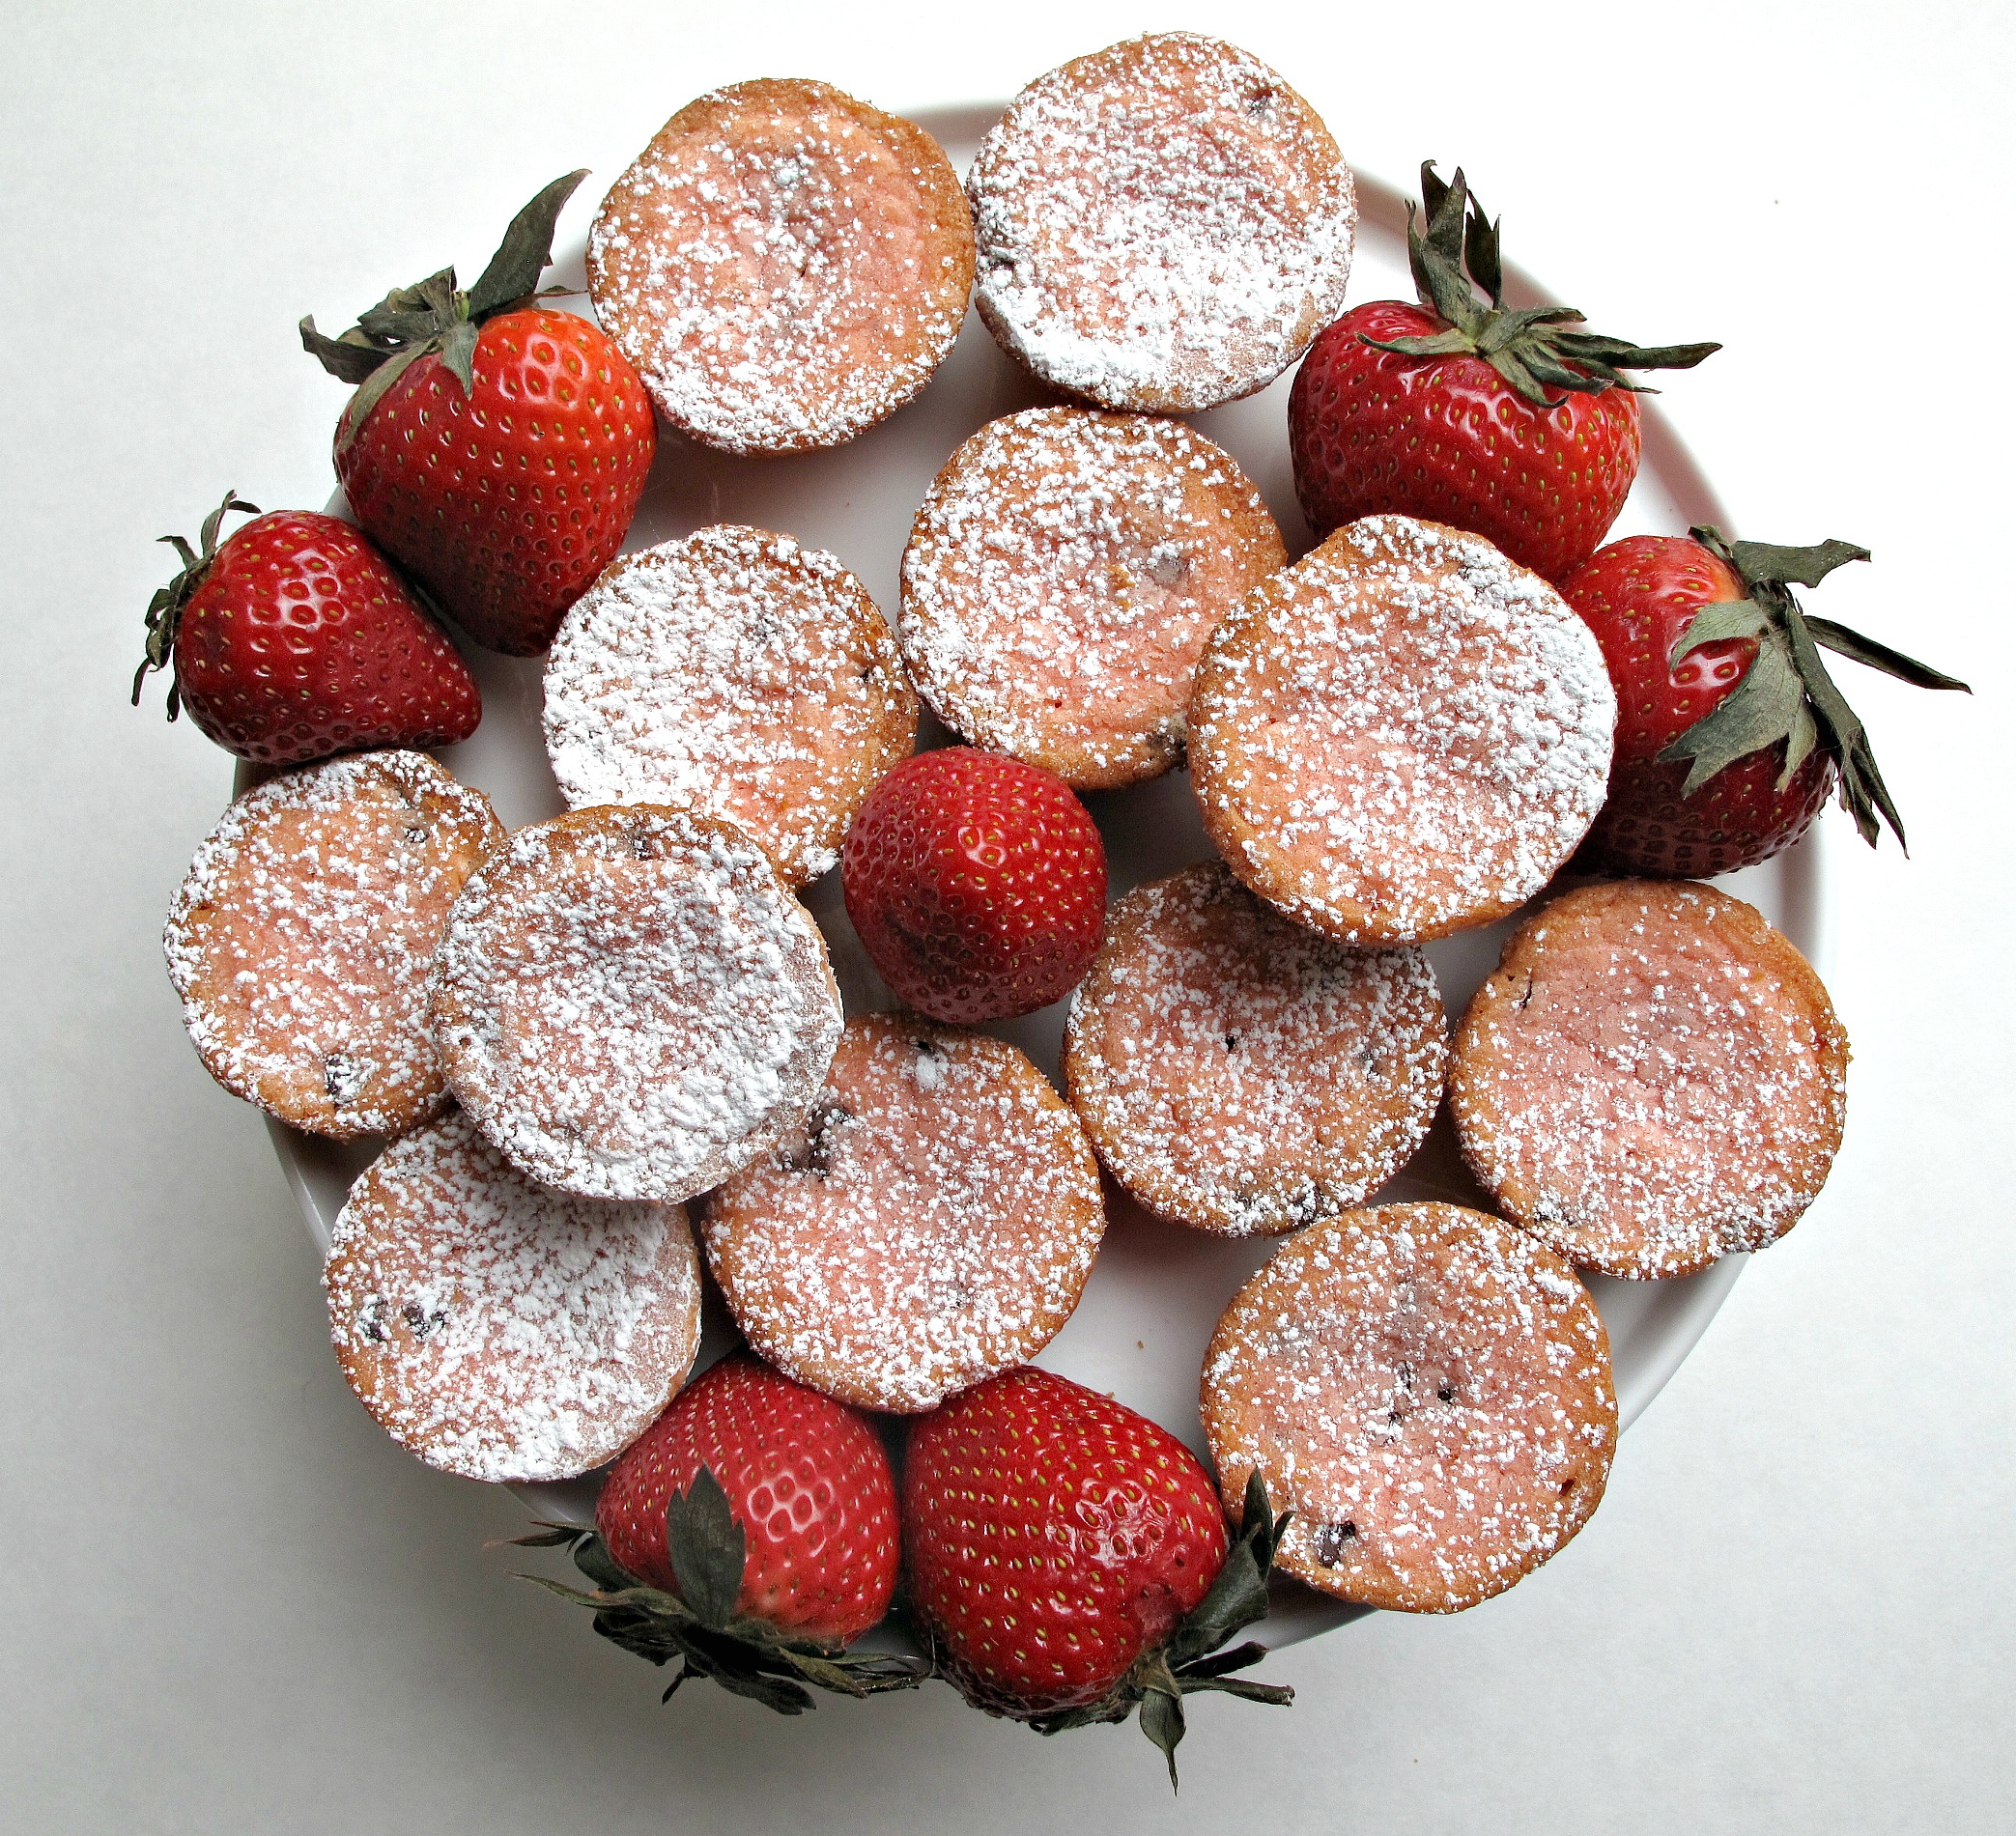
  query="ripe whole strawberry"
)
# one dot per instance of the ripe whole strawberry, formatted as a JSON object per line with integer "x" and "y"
{"x": 1500, "y": 421}
{"x": 1730, "y": 732}
{"x": 1070, "y": 1561}
{"x": 751, "y": 1534}
{"x": 293, "y": 639}
{"x": 496, "y": 448}
{"x": 976, "y": 883}
{"x": 805, "y": 1476}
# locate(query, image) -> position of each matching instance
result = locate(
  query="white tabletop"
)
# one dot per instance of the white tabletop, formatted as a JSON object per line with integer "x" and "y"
{"x": 235, "y": 1606}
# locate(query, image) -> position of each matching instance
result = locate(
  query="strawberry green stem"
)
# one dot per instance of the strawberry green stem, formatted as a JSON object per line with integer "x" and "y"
{"x": 1787, "y": 696}
{"x": 165, "y": 608}
{"x": 1529, "y": 347}
{"x": 435, "y": 315}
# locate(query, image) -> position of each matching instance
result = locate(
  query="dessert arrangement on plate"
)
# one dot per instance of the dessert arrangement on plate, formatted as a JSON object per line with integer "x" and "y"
{"x": 627, "y": 1069}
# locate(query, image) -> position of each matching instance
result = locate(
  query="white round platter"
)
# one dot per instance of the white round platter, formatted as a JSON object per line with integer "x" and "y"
{"x": 1157, "y": 1290}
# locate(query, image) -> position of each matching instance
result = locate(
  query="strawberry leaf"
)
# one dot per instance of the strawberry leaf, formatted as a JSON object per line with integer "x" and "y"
{"x": 458, "y": 347}
{"x": 1760, "y": 711}
{"x": 1764, "y": 563}
{"x": 526, "y": 251}
{"x": 352, "y": 357}
{"x": 1717, "y": 623}
{"x": 592, "y": 1558}
{"x": 1162, "y": 1720}
{"x": 1799, "y": 744}
{"x": 1866, "y": 650}
{"x": 1481, "y": 253}
{"x": 1594, "y": 348}
{"x": 708, "y": 1548}
{"x": 544, "y": 1536}
{"x": 372, "y": 390}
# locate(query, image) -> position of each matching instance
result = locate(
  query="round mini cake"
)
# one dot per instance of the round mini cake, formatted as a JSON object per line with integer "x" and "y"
{"x": 1428, "y": 1389}
{"x": 631, "y": 1003}
{"x": 1402, "y": 735}
{"x": 1162, "y": 225}
{"x": 1653, "y": 1078}
{"x": 496, "y": 1328}
{"x": 300, "y": 941}
{"x": 785, "y": 265}
{"x": 931, "y": 1225}
{"x": 1240, "y": 1074}
{"x": 736, "y": 672}
{"x": 1061, "y": 580}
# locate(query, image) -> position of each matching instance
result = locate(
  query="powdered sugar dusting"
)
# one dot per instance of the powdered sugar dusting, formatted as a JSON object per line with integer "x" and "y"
{"x": 932, "y": 1223}
{"x": 1428, "y": 1390}
{"x": 630, "y": 1002}
{"x": 498, "y": 1329}
{"x": 1165, "y": 224}
{"x": 736, "y": 672}
{"x": 1402, "y": 735}
{"x": 1653, "y": 1078}
{"x": 1242, "y": 1074}
{"x": 1061, "y": 579}
{"x": 785, "y": 265}
{"x": 300, "y": 940}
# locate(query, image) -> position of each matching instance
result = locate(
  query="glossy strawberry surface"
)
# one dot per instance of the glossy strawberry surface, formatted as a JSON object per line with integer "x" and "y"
{"x": 805, "y": 1476}
{"x": 300, "y": 641}
{"x": 1449, "y": 440}
{"x": 1639, "y": 596}
{"x": 976, "y": 883}
{"x": 1051, "y": 1537}
{"x": 507, "y": 502}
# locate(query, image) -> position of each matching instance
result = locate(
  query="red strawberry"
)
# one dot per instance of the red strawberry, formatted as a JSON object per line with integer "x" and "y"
{"x": 805, "y": 1476}
{"x": 1443, "y": 409}
{"x": 295, "y": 639}
{"x": 752, "y": 1534}
{"x": 1069, "y": 1559}
{"x": 1730, "y": 731}
{"x": 978, "y": 885}
{"x": 495, "y": 447}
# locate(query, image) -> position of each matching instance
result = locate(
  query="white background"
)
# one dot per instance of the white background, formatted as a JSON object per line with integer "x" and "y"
{"x": 230, "y": 1604}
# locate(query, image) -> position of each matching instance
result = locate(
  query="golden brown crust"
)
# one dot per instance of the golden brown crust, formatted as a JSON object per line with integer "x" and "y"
{"x": 783, "y": 264}
{"x": 496, "y": 1328}
{"x": 1402, "y": 735}
{"x": 1428, "y": 1389}
{"x": 631, "y": 1003}
{"x": 1242, "y": 1074}
{"x": 1653, "y": 1078}
{"x": 1162, "y": 225}
{"x": 736, "y": 672}
{"x": 300, "y": 940}
{"x": 1061, "y": 580}
{"x": 933, "y": 1224}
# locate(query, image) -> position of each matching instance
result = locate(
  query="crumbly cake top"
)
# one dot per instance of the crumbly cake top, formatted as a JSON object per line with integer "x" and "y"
{"x": 1061, "y": 579}
{"x": 631, "y": 1003}
{"x": 1653, "y": 1078}
{"x": 783, "y": 265}
{"x": 300, "y": 938}
{"x": 499, "y": 1329}
{"x": 932, "y": 1223}
{"x": 1164, "y": 224}
{"x": 1428, "y": 1390}
{"x": 1242, "y": 1073}
{"x": 1402, "y": 735}
{"x": 732, "y": 671}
